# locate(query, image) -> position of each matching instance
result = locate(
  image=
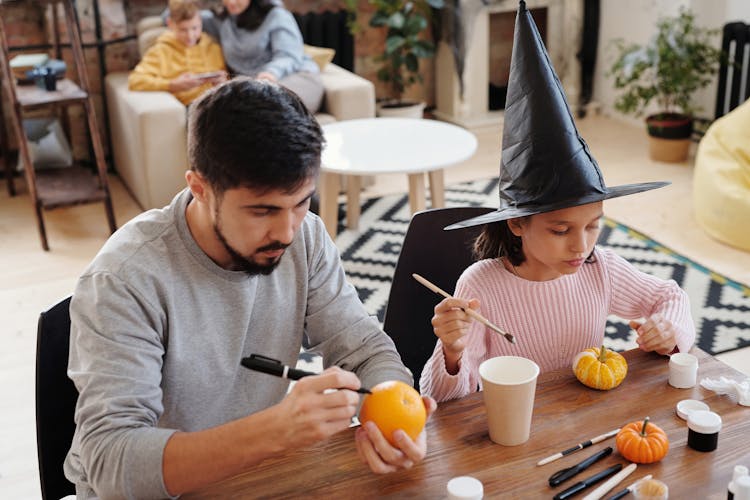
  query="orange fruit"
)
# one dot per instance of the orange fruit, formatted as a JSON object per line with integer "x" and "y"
{"x": 394, "y": 405}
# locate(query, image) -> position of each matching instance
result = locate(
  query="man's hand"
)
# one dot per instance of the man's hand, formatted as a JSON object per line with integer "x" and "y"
{"x": 376, "y": 452}
{"x": 312, "y": 411}
{"x": 451, "y": 324}
{"x": 655, "y": 334}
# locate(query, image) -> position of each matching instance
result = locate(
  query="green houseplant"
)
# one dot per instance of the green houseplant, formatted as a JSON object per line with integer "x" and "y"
{"x": 678, "y": 60}
{"x": 405, "y": 22}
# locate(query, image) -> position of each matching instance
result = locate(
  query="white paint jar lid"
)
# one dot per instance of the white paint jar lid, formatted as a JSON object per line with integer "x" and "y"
{"x": 686, "y": 406}
{"x": 704, "y": 422}
{"x": 465, "y": 488}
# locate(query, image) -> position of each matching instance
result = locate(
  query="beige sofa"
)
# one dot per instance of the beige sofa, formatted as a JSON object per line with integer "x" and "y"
{"x": 149, "y": 129}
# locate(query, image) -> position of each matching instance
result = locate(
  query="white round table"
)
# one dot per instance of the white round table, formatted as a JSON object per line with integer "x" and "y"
{"x": 372, "y": 146}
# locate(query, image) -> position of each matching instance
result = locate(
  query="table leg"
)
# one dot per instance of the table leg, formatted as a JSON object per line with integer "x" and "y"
{"x": 416, "y": 192}
{"x": 437, "y": 188}
{"x": 353, "y": 186}
{"x": 329, "y": 194}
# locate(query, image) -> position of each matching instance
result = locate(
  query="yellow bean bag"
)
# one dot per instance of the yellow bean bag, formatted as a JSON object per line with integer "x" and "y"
{"x": 721, "y": 181}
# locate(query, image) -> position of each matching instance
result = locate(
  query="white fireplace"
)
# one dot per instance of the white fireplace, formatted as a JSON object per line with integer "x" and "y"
{"x": 563, "y": 41}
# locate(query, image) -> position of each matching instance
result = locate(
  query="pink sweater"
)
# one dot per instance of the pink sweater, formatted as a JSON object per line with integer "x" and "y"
{"x": 552, "y": 320}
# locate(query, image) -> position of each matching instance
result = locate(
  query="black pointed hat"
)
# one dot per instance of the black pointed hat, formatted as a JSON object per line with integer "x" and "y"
{"x": 546, "y": 165}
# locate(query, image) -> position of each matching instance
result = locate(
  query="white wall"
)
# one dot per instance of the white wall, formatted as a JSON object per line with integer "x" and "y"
{"x": 635, "y": 21}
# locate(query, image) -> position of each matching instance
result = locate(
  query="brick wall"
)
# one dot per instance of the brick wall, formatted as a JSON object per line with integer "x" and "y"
{"x": 30, "y": 23}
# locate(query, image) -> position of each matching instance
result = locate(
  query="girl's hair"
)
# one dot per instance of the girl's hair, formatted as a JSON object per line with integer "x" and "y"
{"x": 497, "y": 240}
{"x": 183, "y": 10}
{"x": 252, "y": 17}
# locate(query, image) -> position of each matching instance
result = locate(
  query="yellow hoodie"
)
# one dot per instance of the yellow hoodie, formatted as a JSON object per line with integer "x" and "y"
{"x": 168, "y": 58}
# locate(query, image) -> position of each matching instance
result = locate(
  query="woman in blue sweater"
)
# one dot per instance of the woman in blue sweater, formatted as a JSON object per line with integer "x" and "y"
{"x": 261, "y": 39}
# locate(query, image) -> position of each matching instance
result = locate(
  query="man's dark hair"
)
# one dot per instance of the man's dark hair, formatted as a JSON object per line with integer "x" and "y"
{"x": 252, "y": 17}
{"x": 250, "y": 133}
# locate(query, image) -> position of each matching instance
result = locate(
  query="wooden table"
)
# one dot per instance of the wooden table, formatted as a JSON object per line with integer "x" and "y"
{"x": 565, "y": 413}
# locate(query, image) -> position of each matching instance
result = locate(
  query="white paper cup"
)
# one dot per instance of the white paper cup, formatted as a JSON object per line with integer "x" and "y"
{"x": 509, "y": 385}
{"x": 683, "y": 370}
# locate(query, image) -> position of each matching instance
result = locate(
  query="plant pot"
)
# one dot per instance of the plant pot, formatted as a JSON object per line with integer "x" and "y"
{"x": 400, "y": 109}
{"x": 669, "y": 136}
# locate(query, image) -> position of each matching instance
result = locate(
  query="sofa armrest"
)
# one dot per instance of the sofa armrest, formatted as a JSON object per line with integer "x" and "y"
{"x": 149, "y": 141}
{"x": 149, "y": 22}
{"x": 347, "y": 95}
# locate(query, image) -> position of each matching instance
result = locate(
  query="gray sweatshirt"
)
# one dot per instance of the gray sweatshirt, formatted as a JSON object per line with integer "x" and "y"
{"x": 158, "y": 331}
{"x": 275, "y": 46}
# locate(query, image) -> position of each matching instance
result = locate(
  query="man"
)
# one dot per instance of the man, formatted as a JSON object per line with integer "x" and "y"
{"x": 235, "y": 265}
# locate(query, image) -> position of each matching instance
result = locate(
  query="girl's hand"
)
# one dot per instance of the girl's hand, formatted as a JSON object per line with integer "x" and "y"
{"x": 451, "y": 324}
{"x": 655, "y": 334}
{"x": 375, "y": 451}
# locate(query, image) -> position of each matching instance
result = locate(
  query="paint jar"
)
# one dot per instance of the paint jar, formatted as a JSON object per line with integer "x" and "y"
{"x": 703, "y": 430}
{"x": 739, "y": 471}
{"x": 650, "y": 489}
{"x": 742, "y": 488}
{"x": 465, "y": 488}
{"x": 683, "y": 370}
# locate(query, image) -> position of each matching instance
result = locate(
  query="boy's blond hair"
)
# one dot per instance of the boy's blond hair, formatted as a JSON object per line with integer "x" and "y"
{"x": 183, "y": 10}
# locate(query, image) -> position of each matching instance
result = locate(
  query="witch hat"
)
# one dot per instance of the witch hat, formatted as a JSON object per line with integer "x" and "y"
{"x": 546, "y": 165}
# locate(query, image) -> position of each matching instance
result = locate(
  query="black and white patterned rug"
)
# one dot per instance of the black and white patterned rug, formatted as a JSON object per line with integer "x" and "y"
{"x": 720, "y": 307}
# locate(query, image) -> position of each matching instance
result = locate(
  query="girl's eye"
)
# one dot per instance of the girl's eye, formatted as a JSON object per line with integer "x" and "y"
{"x": 559, "y": 232}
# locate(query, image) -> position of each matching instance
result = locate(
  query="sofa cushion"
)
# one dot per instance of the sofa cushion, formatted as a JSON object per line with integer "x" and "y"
{"x": 321, "y": 55}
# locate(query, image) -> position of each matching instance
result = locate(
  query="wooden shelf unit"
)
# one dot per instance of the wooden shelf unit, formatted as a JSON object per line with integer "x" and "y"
{"x": 58, "y": 187}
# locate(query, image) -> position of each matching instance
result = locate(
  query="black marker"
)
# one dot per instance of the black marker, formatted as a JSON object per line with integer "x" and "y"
{"x": 272, "y": 366}
{"x": 564, "y": 474}
{"x": 589, "y": 481}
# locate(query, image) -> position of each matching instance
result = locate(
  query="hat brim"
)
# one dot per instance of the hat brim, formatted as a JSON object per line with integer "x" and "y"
{"x": 506, "y": 213}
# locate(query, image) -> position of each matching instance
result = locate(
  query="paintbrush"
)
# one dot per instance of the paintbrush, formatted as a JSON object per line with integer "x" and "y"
{"x": 510, "y": 338}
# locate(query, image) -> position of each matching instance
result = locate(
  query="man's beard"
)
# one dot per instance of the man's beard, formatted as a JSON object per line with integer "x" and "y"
{"x": 243, "y": 263}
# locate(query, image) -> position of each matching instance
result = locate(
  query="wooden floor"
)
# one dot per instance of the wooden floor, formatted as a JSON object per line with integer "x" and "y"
{"x": 31, "y": 280}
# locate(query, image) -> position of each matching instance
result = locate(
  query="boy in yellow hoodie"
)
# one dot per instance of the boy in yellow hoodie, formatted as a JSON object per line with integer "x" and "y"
{"x": 184, "y": 60}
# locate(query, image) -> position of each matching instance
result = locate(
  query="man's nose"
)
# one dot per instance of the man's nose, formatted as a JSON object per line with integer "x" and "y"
{"x": 283, "y": 227}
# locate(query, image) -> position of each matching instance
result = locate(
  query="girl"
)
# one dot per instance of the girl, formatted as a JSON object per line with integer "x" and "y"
{"x": 541, "y": 278}
{"x": 539, "y": 275}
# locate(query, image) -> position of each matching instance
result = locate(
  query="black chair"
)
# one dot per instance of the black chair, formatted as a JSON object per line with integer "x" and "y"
{"x": 439, "y": 256}
{"x": 55, "y": 400}
{"x": 733, "y": 72}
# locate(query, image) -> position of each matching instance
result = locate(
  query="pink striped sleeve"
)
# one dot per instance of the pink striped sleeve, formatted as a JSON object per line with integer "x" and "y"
{"x": 636, "y": 294}
{"x": 437, "y": 382}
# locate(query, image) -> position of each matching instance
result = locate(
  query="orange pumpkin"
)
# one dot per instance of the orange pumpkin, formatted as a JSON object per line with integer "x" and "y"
{"x": 601, "y": 369}
{"x": 642, "y": 442}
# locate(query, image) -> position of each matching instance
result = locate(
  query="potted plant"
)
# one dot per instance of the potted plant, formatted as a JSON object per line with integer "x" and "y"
{"x": 676, "y": 62}
{"x": 405, "y": 22}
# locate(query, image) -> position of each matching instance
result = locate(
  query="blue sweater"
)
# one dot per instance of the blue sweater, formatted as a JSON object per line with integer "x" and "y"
{"x": 276, "y": 46}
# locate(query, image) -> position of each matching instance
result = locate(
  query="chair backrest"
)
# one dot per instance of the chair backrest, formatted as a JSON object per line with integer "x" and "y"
{"x": 55, "y": 400}
{"x": 439, "y": 256}
{"x": 734, "y": 75}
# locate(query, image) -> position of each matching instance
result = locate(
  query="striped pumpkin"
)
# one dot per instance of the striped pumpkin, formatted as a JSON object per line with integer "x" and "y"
{"x": 600, "y": 368}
